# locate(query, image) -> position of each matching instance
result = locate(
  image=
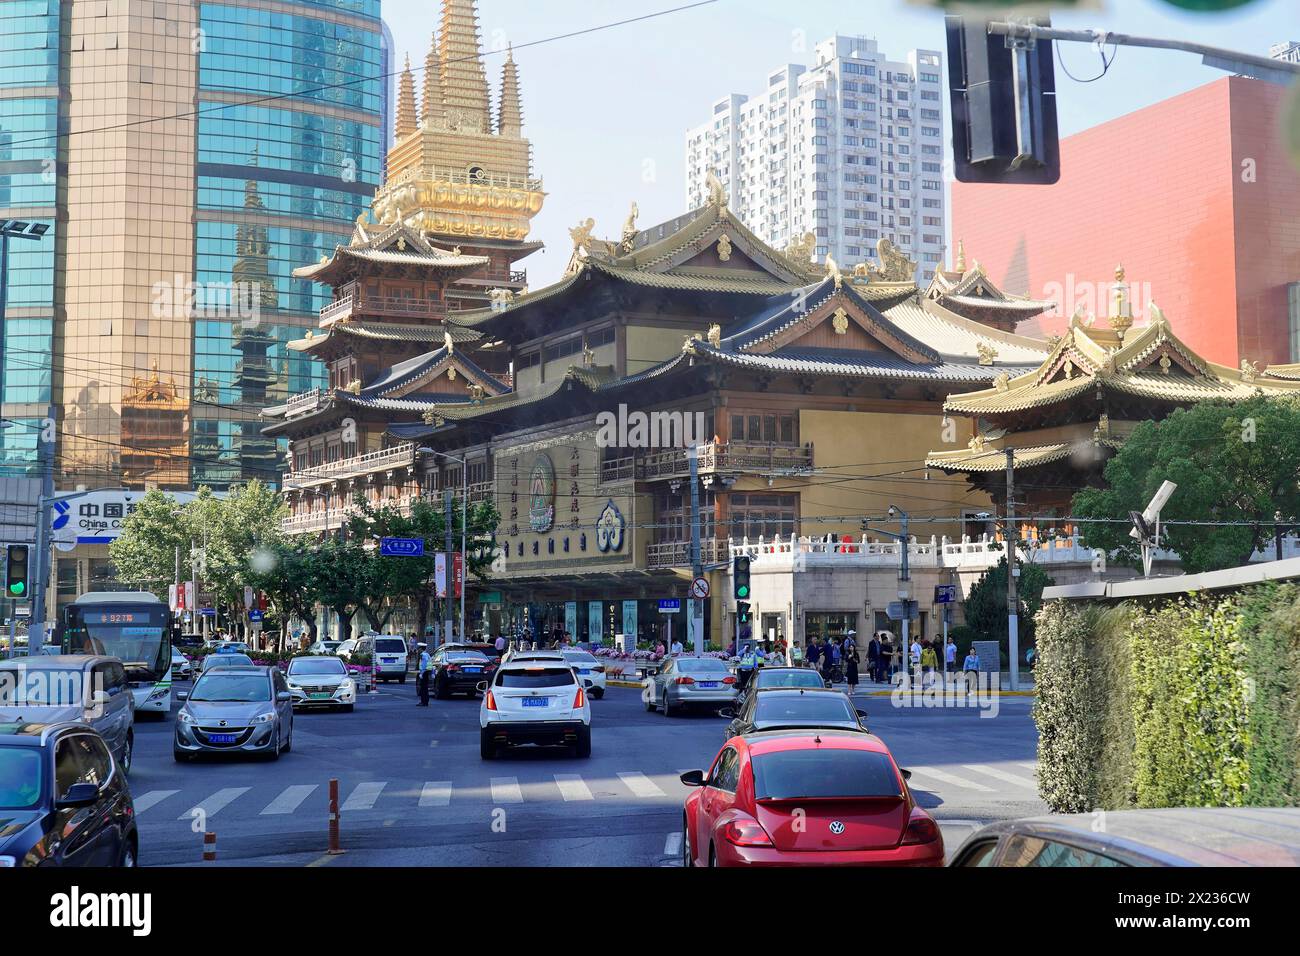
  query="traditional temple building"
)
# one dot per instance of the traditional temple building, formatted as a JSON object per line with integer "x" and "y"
{"x": 1064, "y": 419}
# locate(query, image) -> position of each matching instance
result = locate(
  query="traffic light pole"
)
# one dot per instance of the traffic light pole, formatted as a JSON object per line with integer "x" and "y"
{"x": 697, "y": 565}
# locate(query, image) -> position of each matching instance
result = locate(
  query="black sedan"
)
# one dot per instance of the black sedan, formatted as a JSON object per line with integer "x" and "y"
{"x": 781, "y": 677}
{"x": 63, "y": 799}
{"x": 783, "y": 708}
{"x": 458, "y": 671}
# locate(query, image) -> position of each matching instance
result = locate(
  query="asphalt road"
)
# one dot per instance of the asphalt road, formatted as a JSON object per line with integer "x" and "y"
{"x": 414, "y": 791}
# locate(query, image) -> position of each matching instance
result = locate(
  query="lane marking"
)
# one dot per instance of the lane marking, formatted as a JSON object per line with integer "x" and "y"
{"x": 1029, "y": 766}
{"x": 673, "y": 845}
{"x": 572, "y": 787}
{"x": 152, "y": 799}
{"x": 506, "y": 790}
{"x": 436, "y": 793}
{"x": 363, "y": 797}
{"x": 1002, "y": 775}
{"x": 289, "y": 800}
{"x": 215, "y": 803}
{"x": 951, "y": 778}
{"x": 641, "y": 785}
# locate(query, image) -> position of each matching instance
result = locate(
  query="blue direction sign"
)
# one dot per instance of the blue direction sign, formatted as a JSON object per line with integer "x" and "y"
{"x": 945, "y": 593}
{"x": 254, "y": 615}
{"x": 207, "y": 612}
{"x": 670, "y": 605}
{"x": 401, "y": 547}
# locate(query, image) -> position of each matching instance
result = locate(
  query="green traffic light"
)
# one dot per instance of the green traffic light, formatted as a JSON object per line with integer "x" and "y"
{"x": 18, "y": 587}
{"x": 742, "y": 591}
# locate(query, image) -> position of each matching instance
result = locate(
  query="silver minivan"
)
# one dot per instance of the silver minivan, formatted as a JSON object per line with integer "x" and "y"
{"x": 82, "y": 687}
{"x": 387, "y": 654}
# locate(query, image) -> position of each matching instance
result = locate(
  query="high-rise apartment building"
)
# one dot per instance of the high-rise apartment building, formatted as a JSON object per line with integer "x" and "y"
{"x": 189, "y": 155}
{"x": 849, "y": 150}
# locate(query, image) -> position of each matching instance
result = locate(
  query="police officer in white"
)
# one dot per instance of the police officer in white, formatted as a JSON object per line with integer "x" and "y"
{"x": 422, "y": 674}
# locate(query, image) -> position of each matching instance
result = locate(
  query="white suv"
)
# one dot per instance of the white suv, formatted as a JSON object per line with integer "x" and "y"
{"x": 589, "y": 669}
{"x": 534, "y": 702}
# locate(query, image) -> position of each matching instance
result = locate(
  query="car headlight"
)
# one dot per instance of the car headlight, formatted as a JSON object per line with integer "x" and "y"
{"x": 348, "y": 686}
{"x": 185, "y": 717}
{"x": 160, "y": 693}
{"x": 292, "y": 686}
{"x": 7, "y": 862}
{"x": 263, "y": 718}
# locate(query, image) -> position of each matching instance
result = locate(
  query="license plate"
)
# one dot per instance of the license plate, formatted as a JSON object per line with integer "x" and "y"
{"x": 708, "y": 684}
{"x": 321, "y": 695}
{"x": 537, "y": 701}
{"x": 472, "y": 670}
{"x": 223, "y": 738}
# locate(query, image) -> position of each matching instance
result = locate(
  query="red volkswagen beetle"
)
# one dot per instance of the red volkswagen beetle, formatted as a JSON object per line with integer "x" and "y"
{"x": 805, "y": 798}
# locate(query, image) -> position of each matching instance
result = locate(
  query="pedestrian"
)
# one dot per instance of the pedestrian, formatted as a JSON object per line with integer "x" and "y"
{"x": 873, "y": 657}
{"x": 971, "y": 668}
{"x": 814, "y": 655}
{"x": 950, "y": 656}
{"x": 796, "y": 654}
{"x": 915, "y": 654}
{"x": 500, "y": 643}
{"x": 677, "y": 646}
{"x": 748, "y": 665}
{"x": 929, "y": 661}
{"x": 422, "y": 675}
{"x": 850, "y": 653}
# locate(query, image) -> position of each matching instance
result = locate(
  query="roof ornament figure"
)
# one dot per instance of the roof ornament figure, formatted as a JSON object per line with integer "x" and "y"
{"x": 1121, "y": 313}
{"x": 715, "y": 335}
{"x": 724, "y": 247}
{"x": 801, "y": 250}
{"x": 960, "y": 264}
{"x": 833, "y": 271}
{"x": 501, "y": 299}
{"x": 628, "y": 239}
{"x": 583, "y": 242}
{"x": 717, "y": 194}
{"x": 475, "y": 392}
{"x": 987, "y": 353}
{"x": 1157, "y": 316}
{"x": 895, "y": 266}
{"x": 451, "y": 373}
{"x": 353, "y": 386}
{"x": 448, "y": 344}
{"x": 1249, "y": 370}
{"x": 840, "y": 321}
{"x": 1165, "y": 364}
{"x": 1002, "y": 381}
{"x": 588, "y": 355}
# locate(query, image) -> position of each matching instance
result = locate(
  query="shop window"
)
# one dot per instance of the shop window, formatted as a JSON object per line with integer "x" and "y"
{"x": 828, "y": 625}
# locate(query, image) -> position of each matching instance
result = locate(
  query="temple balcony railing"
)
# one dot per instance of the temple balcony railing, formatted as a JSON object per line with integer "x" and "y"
{"x": 384, "y": 459}
{"x": 732, "y": 457}
{"x": 303, "y": 402}
{"x": 382, "y": 306}
{"x": 332, "y": 519}
{"x": 677, "y": 554}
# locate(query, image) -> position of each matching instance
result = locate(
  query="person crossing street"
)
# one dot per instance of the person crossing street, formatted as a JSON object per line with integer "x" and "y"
{"x": 422, "y": 674}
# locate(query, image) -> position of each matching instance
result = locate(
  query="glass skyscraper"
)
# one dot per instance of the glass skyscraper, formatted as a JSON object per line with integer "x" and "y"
{"x": 203, "y": 151}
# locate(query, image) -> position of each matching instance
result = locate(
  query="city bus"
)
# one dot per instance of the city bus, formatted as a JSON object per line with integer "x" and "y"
{"x": 134, "y": 627}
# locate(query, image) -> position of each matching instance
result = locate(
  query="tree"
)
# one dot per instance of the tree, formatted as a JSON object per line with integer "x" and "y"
{"x": 287, "y": 572}
{"x": 340, "y": 572}
{"x": 1232, "y": 463}
{"x": 144, "y": 554}
{"x": 986, "y": 604}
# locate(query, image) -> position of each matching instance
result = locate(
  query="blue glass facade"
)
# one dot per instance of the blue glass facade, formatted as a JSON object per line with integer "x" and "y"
{"x": 29, "y": 50}
{"x": 280, "y": 184}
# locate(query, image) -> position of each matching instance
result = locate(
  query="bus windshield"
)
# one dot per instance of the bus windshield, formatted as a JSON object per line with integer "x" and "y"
{"x": 136, "y": 634}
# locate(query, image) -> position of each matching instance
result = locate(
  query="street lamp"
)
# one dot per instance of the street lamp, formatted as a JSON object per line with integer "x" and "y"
{"x": 464, "y": 526}
{"x": 904, "y": 576}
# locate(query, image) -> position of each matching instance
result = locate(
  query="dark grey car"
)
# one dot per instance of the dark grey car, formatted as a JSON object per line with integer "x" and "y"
{"x": 81, "y": 687}
{"x": 782, "y": 708}
{"x": 235, "y": 710}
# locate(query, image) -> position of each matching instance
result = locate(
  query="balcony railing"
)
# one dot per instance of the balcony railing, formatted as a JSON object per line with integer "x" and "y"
{"x": 331, "y": 519}
{"x": 303, "y": 403}
{"x": 735, "y": 456}
{"x": 677, "y": 554}
{"x": 384, "y": 306}
{"x": 399, "y": 456}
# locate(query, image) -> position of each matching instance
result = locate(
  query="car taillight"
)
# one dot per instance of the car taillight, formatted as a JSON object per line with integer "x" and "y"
{"x": 684, "y": 680}
{"x": 579, "y": 699}
{"x": 490, "y": 701}
{"x": 921, "y": 828}
{"x": 453, "y": 667}
{"x": 746, "y": 831}
{"x": 728, "y": 680}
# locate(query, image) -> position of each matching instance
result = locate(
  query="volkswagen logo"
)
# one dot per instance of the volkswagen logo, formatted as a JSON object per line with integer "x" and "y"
{"x": 837, "y": 827}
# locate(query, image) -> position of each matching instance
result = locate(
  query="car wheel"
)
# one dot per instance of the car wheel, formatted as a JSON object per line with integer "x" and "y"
{"x": 128, "y": 752}
{"x": 487, "y": 748}
{"x": 274, "y": 753}
{"x": 128, "y": 857}
{"x": 583, "y": 748}
{"x": 348, "y": 708}
{"x": 650, "y": 702}
{"x": 713, "y": 855}
{"x": 180, "y": 756}
{"x": 669, "y": 711}
{"x": 402, "y": 679}
{"x": 439, "y": 689}
{"x": 688, "y": 856}
{"x": 598, "y": 693}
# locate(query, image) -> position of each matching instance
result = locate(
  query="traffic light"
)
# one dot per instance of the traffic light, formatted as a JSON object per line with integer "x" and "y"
{"x": 1003, "y": 97}
{"x": 16, "y": 572}
{"x": 740, "y": 576}
{"x": 742, "y": 613}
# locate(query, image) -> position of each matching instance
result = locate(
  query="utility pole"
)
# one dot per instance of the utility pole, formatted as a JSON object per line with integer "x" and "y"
{"x": 697, "y": 566}
{"x": 1013, "y": 601}
{"x": 450, "y": 565}
{"x": 463, "y": 577}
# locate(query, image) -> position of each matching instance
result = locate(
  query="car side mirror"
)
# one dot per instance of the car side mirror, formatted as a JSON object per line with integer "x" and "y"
{"x": 727, "y": 712}
{"x": 481, "y": 686}
{"x": 79, "y": 795}
{"x": 98, "y": 699}
{"x": 283, "y": 696}
{"x": 907, "y": 774}
{"x": 693, "y": 778}
{"x": 586, "y": 682}
{"x": 862, "y": 714}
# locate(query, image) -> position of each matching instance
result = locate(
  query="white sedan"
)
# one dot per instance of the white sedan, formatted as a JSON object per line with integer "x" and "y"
{"x": 589, "y": 669}
{"x": 182, "y": 669}
{"x": 321, "y": 682}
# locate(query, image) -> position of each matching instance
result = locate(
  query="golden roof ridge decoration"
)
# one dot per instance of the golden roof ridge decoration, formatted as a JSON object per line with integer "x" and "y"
{"x": 628, "y": 240}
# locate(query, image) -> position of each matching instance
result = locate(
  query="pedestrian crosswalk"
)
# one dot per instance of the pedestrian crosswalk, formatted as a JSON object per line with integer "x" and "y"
{"x": 952, "y": 782}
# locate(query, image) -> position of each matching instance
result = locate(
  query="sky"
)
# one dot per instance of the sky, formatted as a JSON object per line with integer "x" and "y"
{"x": 607, "y": 111}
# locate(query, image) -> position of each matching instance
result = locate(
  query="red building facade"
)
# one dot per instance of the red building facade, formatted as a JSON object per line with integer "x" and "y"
{"x": 1196, "y": 196}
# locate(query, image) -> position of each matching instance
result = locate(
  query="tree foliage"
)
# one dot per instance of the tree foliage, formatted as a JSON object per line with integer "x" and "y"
{"x": 1232, "y": 463}
{"x": 986, "y": 604}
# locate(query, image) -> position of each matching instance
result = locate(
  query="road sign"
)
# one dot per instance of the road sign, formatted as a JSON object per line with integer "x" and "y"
{"x": 945, "y": 593}
{"x": 207, "y": 612}
{"x": 489, "y": 597}
{"x": 700, "y": 588}
{"x": 670, "y": 605}
{"x": 901, "y": 610}
{"x": 254, "y": 615}
{"x": 401, "y": 547}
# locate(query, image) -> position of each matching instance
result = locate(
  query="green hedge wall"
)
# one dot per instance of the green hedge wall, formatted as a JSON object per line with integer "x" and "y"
{"x": 1193, "y": 702}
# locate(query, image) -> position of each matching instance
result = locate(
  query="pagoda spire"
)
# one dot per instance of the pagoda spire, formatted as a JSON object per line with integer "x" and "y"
{"x": 405, "y": 102}
{"x": 961, "y": 257}
{"x": 432, "y": 109}
{"x": 510, "y": 117}
{"x": 464, "y": 83}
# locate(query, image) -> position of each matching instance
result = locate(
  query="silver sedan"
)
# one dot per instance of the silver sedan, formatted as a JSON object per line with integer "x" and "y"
{"x": 689, "y": 681}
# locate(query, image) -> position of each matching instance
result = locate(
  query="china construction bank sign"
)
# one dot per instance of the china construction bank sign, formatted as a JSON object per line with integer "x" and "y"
{"x": 96, "y": 517}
